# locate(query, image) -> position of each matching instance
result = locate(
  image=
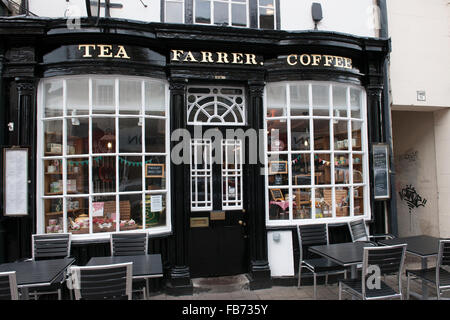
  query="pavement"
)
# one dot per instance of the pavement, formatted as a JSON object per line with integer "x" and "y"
{"x": 236, "y": 288}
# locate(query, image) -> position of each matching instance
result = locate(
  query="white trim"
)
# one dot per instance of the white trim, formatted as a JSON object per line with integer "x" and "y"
{"x": 182, "y": 10}
{"x": 211, "y": 8}
{"x": 205, "y": 145}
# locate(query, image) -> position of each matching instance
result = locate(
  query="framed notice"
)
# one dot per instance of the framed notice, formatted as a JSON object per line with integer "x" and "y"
{"x": 153, "y": 170}
{"x": 380, "y": 156}
{"x": 15, "y": 181}
{"x": 277, "y": 195}
{"x": 278, "y": 167}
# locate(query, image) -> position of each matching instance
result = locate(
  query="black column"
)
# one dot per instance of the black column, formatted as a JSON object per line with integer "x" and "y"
{"x": 259, "y": 265}
{"x": 179, "y": 277}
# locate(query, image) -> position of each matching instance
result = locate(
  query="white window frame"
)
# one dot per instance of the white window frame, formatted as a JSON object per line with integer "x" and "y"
{"x": 207, "y": 146}
{"x": 274, "y": 14}
{"x": 229, "y": 2}
{"x": 238, "y": 170}
{"x": 64, "y": 157}
{"x": 182, "y": 12}
{"x": 311, "y": 152}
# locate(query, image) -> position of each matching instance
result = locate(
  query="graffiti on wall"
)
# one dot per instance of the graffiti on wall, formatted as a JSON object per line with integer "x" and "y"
{"x": 409, "y": 195}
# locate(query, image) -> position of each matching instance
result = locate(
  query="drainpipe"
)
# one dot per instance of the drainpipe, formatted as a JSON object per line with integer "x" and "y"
{"x": 391, "y": 205}
{"x": 2, "y": 142}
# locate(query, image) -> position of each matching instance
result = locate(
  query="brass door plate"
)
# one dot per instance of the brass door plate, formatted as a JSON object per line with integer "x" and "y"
{"x": 217, "y": 215}
{"x": 199, "y": 222}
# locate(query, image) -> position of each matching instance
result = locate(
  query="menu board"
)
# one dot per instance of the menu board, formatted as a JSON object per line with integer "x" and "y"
{"x": 276, "y": 167}
{"x": 154, "y": 170}
{"x": 380, "y": 156}
{"x": 15, "y": 181}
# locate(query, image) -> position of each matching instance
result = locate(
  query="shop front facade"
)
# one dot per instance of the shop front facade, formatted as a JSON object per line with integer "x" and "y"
{"x": 211, "y": 139}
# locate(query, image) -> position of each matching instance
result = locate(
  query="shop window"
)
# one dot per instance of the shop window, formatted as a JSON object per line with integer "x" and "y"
{"x": 201, "y": 175}
{"x": 174, "y": 11}
{"x": 316, "y": 152}
{"x": 221, "y": 12}
{"x": 103, "y": 155}
{"x": 216, "y": 106}
{"x": 232, "y": 191}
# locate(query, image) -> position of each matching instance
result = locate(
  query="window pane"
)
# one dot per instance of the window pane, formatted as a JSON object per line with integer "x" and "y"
{"x": 104, "y": 101}
{"x": 130, "y": 173}
{"x": 340, "y": 135}
{"x": 342, "y": 202}
{"x": 278, "y": 204}
{"x": 221, "y": 13}
{"x": 104, "y": 174}
{"x": 321, "y": 100}
{"x": 53, "y": 99}
{"x": 358, "y": 201}
{"x": 321, "y": 134}
{"x": 77, "y": 136}
{"x": 266, "y": 18}
{"x": 77, "y": 215}
{"x": 155, "y": 99}
{"x": 130, "y": 97}
{"x": 53, "y": 138}
{"x": 77, "y": 175}
{"x": 155, "y": 210}
{"x": 301, "y": 169}
{"x": 239, "y": 15}
{"x": 302, "y": 200}
{"x": 174, "y": 12}
{"x": 103, "y": 135}
{"x": 355, "y": 103}
{"x": 130, "y": 208}
{"x": 339, "y": 101}
{"x": 300, "y": 137}
{"x": 53, "y": 182}
{"x": 202, "y": 11}
{"x": 155, "y": 172}
{"x": 277, "y": 135}
{"x": 130, "y": 135}
{"x": 341, "y": 169}
{"x": 324, "y": 203}
{"x": 278, "y": 170}
{"x": 155, "y": 135}
{"x": 266, "y": 3}
{"x": 77, "y": 97}
{"x": 299, "y": 100}
{"x": 358, "y": 168}
{"x": 322, "y": 166}
{"x": 276, "y": 101}
{"x": 104, "y": 214}
{"x": 356, "y": 135}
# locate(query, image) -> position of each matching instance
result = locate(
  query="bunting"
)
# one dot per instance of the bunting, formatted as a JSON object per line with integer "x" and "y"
{"x": 122, "y": 160}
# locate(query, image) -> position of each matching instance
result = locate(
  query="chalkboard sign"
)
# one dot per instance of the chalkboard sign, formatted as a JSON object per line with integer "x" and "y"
{"x": 380, "y": 156}
{"x": 276, "y": 167}
{"x": 154, "y": 170}
{"x": 277, "y": 194}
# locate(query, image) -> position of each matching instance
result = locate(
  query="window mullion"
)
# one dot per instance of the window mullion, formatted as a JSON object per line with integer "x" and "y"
{"x": 288, "y": 142}
{"x": 91, "y": 159}
{"x": 312, "y": 154}
{"x": 64, "y": 160}
{"x": 144, "y": 187}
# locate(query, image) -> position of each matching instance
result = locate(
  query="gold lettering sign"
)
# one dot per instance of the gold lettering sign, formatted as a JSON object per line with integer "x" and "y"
{"x": 103, "y": 51}
{"x": 319, "y": 60}
{"x": 219, "y": 57}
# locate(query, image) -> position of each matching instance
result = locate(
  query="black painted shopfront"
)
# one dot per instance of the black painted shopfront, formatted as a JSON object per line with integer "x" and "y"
{"x": 184, "y": 56}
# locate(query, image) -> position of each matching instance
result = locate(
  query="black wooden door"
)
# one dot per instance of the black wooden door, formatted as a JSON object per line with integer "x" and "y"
{"x": 218, "y": 245}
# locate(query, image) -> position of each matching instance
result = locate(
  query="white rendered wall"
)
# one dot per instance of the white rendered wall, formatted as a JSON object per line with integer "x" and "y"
{"x": 357, "y": 17}
{"x": 280, "y": 253}
{"x": 420, "y": 34}
{"x": 132, "y": 9}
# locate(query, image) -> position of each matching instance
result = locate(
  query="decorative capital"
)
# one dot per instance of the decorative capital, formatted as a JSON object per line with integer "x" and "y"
{"x": 25, "y": 86}
{"x": 256, "y": 90}
{"x": 178, "y": 84}
{"x": 374, "y": 90}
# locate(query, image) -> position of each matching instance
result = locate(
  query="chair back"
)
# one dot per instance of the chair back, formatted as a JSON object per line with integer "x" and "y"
{"x": 311, "y": 235}
{"x": 112, "y": 281}
{"x": 129, "y": 244}
{"x": 387, "y": 260}
{"x": 8, "y": 286}
{"x": 51, "y": 245}
{"x": 443, "y": 258}
{"x": 358, "y": 230}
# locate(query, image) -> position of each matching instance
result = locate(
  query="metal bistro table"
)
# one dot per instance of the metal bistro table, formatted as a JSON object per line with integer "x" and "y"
{"x": 348, "y": 254}
{"x": 31, "y": 274}
{"x": 144, "y": 266}
{"x": 421, "y": 246}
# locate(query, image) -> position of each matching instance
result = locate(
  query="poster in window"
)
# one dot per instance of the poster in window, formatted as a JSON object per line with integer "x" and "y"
{"x": 15, "y": 181}
{"x": 380, "y": 156}
{"x": 154, "y": 170}
{"x": 278, "y": 167}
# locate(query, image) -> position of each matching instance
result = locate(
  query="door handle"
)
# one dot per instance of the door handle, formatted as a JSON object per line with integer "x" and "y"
{"x": 242, "y": 223}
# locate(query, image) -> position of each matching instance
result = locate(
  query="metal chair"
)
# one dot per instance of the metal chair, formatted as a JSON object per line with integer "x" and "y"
{"x": 359, "y": 232}
{"x": 386, "y": 260}
{"x": 437, "y": 276}
{"x": 112, "y": 282}
{"x": 312, "y": 235}
{"x": 8, "y": 286}
{"x": 131, "y": 244}
{"x": 51, "y": 246}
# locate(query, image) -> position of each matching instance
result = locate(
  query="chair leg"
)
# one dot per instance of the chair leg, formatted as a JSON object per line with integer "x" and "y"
{"x": 326, "y": 279}
{"x": 59, "y": 294}
{"x": 438, "y": 293}
{"x": 299, "y": 274}
{"x": 315, "y": 286}
{"x": 340, "y": 290}
{"x": 345, "y": 274}
{"x": 407, "y": 287}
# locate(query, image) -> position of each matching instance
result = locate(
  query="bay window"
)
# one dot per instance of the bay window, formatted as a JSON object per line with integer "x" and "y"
{"x": 103, "y": 155}
{"x": 316, "y": 152}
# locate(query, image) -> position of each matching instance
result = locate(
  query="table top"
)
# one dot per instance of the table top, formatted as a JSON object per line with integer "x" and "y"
{"x": 423, "y": 246}
{"x": 144, "y": 266}
{"x": 345, "y": 254}
{"x": 36, "y": 273}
